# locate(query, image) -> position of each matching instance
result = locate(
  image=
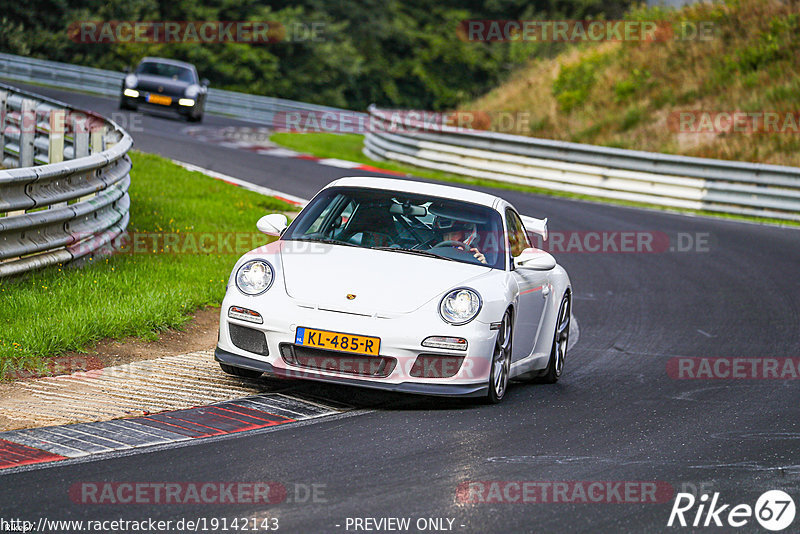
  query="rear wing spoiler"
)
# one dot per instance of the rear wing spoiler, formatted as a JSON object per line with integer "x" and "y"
{"x": 536, "y": 226}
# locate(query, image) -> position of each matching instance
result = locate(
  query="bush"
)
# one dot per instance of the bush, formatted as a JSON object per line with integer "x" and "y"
{"x": 574, "y": 82}
{"x": 638, "y": 81}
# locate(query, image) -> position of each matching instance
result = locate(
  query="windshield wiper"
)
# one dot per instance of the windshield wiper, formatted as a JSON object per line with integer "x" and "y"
{"x": 414, "y": 251}
{"x": 326, "y": 240}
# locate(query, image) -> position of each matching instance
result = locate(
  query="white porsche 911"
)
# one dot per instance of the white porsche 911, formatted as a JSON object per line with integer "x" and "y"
{"x": 399, "y": 285}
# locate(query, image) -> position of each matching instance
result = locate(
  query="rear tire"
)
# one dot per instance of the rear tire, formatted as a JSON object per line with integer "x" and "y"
{"x": 240, "y": 372}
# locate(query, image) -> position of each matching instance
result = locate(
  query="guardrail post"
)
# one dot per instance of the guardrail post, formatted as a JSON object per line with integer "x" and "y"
{"x": 55, "y": 151}
{"x": 98, "y": 139}
{"x": 3, "y": 98}
{"x": 80, "y": 135}
{"x": 27, "y": 132}
{"x": 56, "y": 137}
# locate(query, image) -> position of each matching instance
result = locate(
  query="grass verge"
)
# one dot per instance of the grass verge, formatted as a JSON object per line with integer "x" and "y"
{"x": 143, "y": 292}
{"x": 348, "y": 147}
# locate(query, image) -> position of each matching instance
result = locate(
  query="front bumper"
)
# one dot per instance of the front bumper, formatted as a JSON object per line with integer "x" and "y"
{"x": 444, "y": 390}
{"x": 401, "y": 344}
{"x": 141, "y": 101}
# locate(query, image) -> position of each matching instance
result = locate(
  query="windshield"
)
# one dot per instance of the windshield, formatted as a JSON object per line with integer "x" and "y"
{"x": 166, "y": 70}
{"x": 400, "y": 222}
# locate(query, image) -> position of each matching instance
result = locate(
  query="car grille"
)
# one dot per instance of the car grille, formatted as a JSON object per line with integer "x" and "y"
{"x": 248, "y": 339}
{"x": 436, "y": 366}
{"x": 328, "y": 360}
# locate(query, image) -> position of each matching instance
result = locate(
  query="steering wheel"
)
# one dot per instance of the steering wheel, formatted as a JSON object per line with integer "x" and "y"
{"x": 451, "y": 243}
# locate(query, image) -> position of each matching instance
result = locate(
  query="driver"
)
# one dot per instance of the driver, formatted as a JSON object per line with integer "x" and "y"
{"x": 463, "y": 232}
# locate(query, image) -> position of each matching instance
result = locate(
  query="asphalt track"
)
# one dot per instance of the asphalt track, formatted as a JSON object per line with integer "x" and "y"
{"x": 616, "y": 415}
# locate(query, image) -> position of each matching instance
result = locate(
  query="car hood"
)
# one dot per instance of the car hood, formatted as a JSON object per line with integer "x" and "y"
{"x": 384, "y": 283}
{"x": 146, "y": 82}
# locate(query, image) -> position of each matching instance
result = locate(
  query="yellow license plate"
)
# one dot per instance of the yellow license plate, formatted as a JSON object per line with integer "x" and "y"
{"x": 159, "y": 99}
{"x": 322, "y": 339}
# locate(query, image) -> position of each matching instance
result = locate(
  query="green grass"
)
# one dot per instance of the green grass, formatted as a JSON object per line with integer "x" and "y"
{"x": 341, "y": 146}
{"x": 348, "y": 147}
{"x": 66, "y": 308}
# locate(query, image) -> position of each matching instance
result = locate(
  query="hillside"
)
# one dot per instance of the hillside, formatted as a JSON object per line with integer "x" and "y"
{"x": 674, "y": 95}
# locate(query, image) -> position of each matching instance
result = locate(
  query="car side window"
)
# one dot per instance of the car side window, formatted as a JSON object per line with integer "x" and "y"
{"x": 517, "y": 238}
{"x": 323, "y": 220}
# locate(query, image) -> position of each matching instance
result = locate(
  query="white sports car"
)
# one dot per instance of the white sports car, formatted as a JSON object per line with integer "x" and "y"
{"x": 399, "y": 285}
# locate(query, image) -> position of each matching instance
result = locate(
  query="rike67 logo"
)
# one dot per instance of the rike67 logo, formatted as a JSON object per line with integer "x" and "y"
{"x": 774, "y": 510}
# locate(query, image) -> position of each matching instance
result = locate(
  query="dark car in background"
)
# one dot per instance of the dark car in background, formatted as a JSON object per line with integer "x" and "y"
{"x": 164, "y": 84}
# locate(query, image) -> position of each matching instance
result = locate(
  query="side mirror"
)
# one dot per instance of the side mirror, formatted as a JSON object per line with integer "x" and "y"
{"x": 535, "y": 259}
{"x": 273, "y": 224}
{"x": 204, "y": 82}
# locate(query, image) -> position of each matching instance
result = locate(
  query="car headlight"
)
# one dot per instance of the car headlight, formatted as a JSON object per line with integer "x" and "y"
{"x": 460, "y": 306}
{"x": 131, "y": 80}
{"x": 254, "y": 277}
{"x": 192, "y": 91}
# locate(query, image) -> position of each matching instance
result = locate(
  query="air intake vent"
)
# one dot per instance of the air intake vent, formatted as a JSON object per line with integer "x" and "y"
{"x": 248, "y": 339}
{"x": 338, "y": 362}
{"x": 436, "y": 366}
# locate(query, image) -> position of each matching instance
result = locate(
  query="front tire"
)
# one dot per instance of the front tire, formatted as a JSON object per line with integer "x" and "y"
{"x": 501, "y": 361}
{"x": 558, "y": 354}
{"x": 238, "y": 371}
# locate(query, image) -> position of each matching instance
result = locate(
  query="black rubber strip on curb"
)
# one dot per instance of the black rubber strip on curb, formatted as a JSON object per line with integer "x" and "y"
{"x": 52, "y": 444}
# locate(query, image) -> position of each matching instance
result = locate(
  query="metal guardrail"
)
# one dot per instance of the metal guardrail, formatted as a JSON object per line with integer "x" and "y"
{"x": 661, "y": 179}
{"x": 254, "y": 108}
{"x": 64, "y": 185}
